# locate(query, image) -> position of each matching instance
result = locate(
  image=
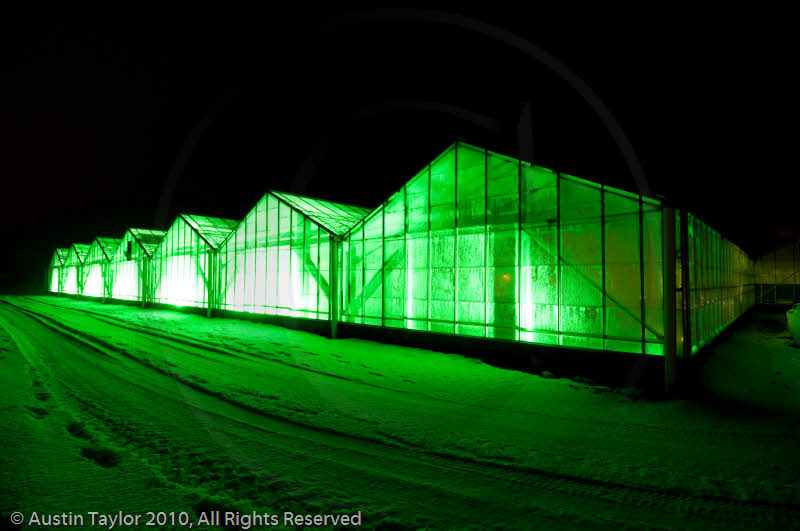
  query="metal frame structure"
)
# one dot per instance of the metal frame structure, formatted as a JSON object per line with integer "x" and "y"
{"x": 74, "y": 277}
{"x": 131, "y": 263}
{"x": 476, "y": 244}
{"x": 98, "y": 268}
{"x": 183, "y": 266}
{"x": 778, "y": 275}
{"x": 485, "y": 245}
{"x": 277, "y": 261}
{"x": 55, "y": 271}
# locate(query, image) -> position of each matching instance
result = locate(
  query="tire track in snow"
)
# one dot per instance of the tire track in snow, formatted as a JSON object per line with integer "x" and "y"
{"x": 615, "y": 502}
{"x": 616, "y": 425}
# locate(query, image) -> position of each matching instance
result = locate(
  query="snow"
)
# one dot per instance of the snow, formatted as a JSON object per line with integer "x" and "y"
{"x": 347, "y": 399}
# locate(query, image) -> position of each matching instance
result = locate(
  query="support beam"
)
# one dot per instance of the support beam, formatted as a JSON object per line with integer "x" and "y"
{"x": 670, "y": 368}
{"x": 685, "y": 283}
{"x": 333, "y": 297}
{"x": 211, "y": 291}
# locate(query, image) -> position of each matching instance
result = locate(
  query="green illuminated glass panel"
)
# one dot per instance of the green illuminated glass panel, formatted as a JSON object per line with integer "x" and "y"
{"x": 182, "y": 262}
{"x": 581, "y": 310}
{"x": 129, "y": 263}
{"x": 622, "y": 273}
{"x": 98, "y": 268}
{"x": 395, "y": 270}
{"x": 722, "y": 283}
{"x": 417, "y": 244}
{"x": 277, "y": 262}
{"x": 471, "y": 242}
{"x": 502, "y": 231}
{"x": 539, "y": 298}
{"x": 653, "y": 261}
{"x": 73, "y": 268}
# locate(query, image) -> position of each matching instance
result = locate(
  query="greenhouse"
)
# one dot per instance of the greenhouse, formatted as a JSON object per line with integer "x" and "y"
{"x": 484, "y": 245}
{"x": 183, "y": 265}
{"x": 476, "y": 244}
{"x": 277, "y": 261}
{"x": 97, "y": 267}
{"x": 778, "y": 275}
{"x": 55, "y": 271}
{"x": 73, "y": 268}
{"x": 131, "y": 261}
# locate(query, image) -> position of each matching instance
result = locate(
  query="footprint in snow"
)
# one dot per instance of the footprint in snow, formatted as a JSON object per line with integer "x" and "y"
{"x": 38, "y": 412}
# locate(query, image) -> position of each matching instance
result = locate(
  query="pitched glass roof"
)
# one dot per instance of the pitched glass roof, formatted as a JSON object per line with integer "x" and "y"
{"x": 61, "y": 253}
{"x": 338, "y": 218}
{"x": 81, "y": 249}
{"x": 108, "y": 246}
{"x": 212, "y": 230}
{"x": 148, "y": 239}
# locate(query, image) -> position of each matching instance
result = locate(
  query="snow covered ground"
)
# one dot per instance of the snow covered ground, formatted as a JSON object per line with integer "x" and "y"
{"x": 187, "y": 413}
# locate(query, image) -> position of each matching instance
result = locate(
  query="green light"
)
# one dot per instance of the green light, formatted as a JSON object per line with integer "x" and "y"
{"x": 181, "y": 264}
{"x": 476, "y": 244}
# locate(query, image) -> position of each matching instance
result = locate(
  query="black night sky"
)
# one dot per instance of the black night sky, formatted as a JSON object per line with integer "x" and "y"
{"x": 115, "y": 120}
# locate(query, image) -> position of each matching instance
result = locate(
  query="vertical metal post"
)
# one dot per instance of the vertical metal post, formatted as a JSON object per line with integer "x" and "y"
{"x": 144, "y": 272}
{"x": 430, "y": 269}
{"x": 277, "y": 257}
{"x": 406, "y": 268}
{"x": 685, "y": 285}
{"x": 266, "y": 253}
{"x": 518, "y": 261}
{"x": 668, "y": 253}
{"x": 558, "y": 254}
{"x": 486, "y": 243}
{"x": 603, "y": 262}
{"x": 642, "y": 305}
{"x": 210, "y": 262}
{"x": 333, "y": 285}
{"x": 455, "y": 240}
{"x": 383, "y": 264}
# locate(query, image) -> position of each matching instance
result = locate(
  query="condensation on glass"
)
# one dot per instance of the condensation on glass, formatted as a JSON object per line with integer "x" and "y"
{"x": 484, "y": 245}
{"x": 277, "y": 261}
{"x": 475, "y": 244}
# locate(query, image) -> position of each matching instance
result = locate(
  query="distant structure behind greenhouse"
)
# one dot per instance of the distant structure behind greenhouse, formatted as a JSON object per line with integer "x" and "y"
{"x": 476, "y": 244}
{"x": 778, "y": 275}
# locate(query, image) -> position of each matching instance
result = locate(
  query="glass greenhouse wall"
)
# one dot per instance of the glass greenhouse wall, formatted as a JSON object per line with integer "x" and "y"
{"x": 277, "y": 261}
{"x": 484, "y": 245}
{"x": 130, "y": 262}
{"x": 97, "y": 267}
{"x": 183, "y": 264}
{"x": 476, "y": 244}
{"x": 778, "y": 275}
{"x": 721, "y": 280}
{"x": 55, "y": 274}
{"x": 74, "y": 277}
